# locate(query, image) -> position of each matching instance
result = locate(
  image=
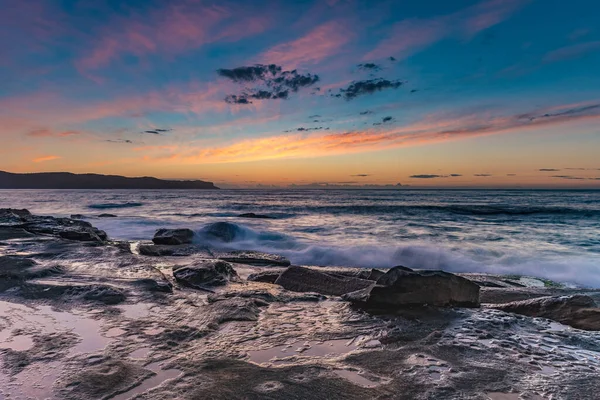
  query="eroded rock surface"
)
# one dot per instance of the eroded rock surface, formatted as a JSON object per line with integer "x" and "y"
{"x": 300, "y": 279}
{"x": 579, "y": 311}
{"x": 205, "y": 274}
{"x": 173, "y": 236}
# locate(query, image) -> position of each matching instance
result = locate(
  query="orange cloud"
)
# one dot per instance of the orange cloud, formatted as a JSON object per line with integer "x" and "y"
{"x": 431, "y": 130}
{"x": 322, "y": 42}
{"x": 45, "y": 132}
{"x": 45, "y": 158}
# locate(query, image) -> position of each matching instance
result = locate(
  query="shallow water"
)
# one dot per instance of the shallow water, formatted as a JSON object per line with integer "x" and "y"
{"x": 551, "y": 234}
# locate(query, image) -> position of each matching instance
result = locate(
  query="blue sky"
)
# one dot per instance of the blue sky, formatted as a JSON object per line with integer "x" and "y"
{"x": 430, "y": 93}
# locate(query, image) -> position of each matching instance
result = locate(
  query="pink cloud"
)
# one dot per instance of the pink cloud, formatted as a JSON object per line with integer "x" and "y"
{"x": 570, "y": 52}
{"x": 45, "y": 132}
{"x": 45, "y": 158}
{"x": 322, "y": 42}
{"x": 413, "y": 35}
{"x": 182, "y": 25}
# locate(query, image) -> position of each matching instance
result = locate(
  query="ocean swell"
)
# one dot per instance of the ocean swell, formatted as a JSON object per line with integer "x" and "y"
{"x": 103, "y": 206}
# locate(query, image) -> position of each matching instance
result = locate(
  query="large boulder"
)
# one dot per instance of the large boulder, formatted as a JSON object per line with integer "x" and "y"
{"x": 205, "y": 273}
{"x": 222, "y": 231}
{"x": 12, "y": 216}
{"x": 579, "y": 311}
{"x": 269, "y": 276}
{"x": 301, "y": 279}
{"x": 173, "y": 236}
{"x": 401, "y": 287}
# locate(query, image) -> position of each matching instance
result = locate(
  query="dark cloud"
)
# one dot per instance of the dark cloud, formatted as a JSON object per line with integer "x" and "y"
{"x": 271, "y": 82}
{"x": 482, "y": 175}
{"x": 511, "y": 174}
{"x": 565, "y": 113}
{"x": 576, "y": 169}
{"x": 426, "y": 176}
{"x": 387, "y": 119}
{"x": 369, "y": 67}
{"x": 370, "y": 86}
{"x": 414, "y": 90}
{"x": 367, "y": 112}
{"x": 157, "y": 131}
{"x": 392, "y": 58}
{"x": 303, "y": 129}
{"x": 548, "y": 170}
{"x": 454, "y": 175}
{"x": 361, "y": 175}
{"x": 568, "y": 177}
{"x": 119, "y": 141}
{"x": 314, "y": 116}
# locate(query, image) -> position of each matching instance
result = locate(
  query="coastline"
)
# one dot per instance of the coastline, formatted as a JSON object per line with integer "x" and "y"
{"x": 173, "y": 318}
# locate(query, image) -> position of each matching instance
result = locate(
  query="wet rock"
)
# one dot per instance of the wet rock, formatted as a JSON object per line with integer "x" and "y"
{"x": 106, "y": 215}
{"x": 256, "y": 258}
{"x": 83, "y": 234}
{"x": 105, "y": 294}
{"x": 301, "y": 279}
{"x": 77, "y": 216}
{"x": 23, "y": 268}
{"x": 578, "y": 311}
{"x": 152, "y": 285}
{"x": 173, "y": 236}
{"x": 222, "y": 231}
{"x": 13, "y": 216}
{"x": 182, "y": 250}
{"x": 101, "y": 380}
{"x": 9, "y": 232}
{"x": 265, "y": 276}
{"x": 205, "y": 273}
{"x": 252, "y": 215}
{"x": 401, "y": 286}
{"x": 236, "y": 309}
{"x": 361, "y": 273}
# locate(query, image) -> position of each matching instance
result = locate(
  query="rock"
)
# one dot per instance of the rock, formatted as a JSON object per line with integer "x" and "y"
{"x": 254, "y": 258}
{"x": 22, "y": 268}
{"x": 369, "y": 274}
{"x": 77, "y": 216}
{"x": 107, "y": 216}
{"x": 223, "y": 231}
{"x": 578, "y": 311}
{"x": 182, "y": 250}
{"x": 265, "y": 276}
{"x": 236, "y": 309}
{"x": 12, "y": 216}
{"x": 152, "y": 285}
{"x": 401, "y": 286}
{"x": 301, "y": 279}
{"x": 10, "y": 232}
{"x": 252, "y": 215}
{"x": 205, "y": 273}
{"x": 173, "y": 236}
{"x": 105, "y": 294}
{"x": 83, "y": 234}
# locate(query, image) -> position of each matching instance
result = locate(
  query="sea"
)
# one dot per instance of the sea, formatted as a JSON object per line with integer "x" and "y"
{"x": 548, "y": 234}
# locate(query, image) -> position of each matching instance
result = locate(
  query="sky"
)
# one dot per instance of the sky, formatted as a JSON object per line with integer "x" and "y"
{"x": 316, "y": 93}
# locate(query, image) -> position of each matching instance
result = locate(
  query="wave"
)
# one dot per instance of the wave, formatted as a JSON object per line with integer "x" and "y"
{"x": 103, "y": 206}
{"x": 579, "y": 270}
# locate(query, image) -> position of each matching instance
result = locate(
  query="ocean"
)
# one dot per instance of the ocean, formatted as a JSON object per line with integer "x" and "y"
{"x": 548, "y": 234}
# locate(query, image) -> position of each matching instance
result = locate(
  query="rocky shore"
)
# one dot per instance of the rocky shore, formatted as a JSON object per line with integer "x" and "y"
{"x": 86, "y": 317}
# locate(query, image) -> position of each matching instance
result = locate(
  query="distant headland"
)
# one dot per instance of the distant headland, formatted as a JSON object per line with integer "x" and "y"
{"x": 67, "y": 180}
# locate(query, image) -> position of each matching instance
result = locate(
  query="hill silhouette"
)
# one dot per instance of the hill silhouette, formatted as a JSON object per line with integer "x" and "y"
{"x": 67, "y": 180}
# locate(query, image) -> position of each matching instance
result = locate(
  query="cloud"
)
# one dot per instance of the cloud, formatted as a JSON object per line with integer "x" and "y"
{"x": 548, "y": 170}
{"x": 511, "y": 174}
{"x": 433, "y": 129}
{"x": 482, "y": 175}
{"x": 370, "y": 86}
{"x": 322, "y": 42}
{"x": 372, "y": 67}
{"x": 455, "y": 175}
{"x": 157, "y": 131}
{"x": 303, "y": 129}
{"x": 45, "y": 158}
{"x": 568, "y": 177}
{"x": 410, "y": 36}
{"x": 45, "y": 132}
{"x": 178, "y": 26}
{"x": 271, "y": 82}
{"x": 573, "y": 51}
{"x": 361, "y": 175}
{"x": 367, "y": 112}
{"x": 127, "y": 141}
{"x": 426, "y": 176}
